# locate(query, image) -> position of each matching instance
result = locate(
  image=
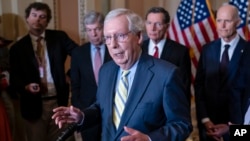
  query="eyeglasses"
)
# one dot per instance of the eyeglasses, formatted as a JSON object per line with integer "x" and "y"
{"x": 119, "y": 37}
{"x": 157, "y": 24}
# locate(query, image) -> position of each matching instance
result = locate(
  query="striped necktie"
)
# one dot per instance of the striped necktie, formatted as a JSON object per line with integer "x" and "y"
{"x": 120, "y": 98}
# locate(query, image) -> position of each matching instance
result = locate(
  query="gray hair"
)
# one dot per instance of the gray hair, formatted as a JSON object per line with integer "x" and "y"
{"x": 93, "y": 17}
{"x": 136, "y": 23}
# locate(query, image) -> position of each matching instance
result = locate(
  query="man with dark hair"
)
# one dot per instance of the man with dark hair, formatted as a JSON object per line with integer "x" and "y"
{"x": 37, "y": 73}
{"x": 159, "y": 46}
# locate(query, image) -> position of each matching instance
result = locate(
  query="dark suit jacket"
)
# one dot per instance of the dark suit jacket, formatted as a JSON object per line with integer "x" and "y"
{"x": 83, "y": 84}
{"x": 211, "y": 90}
{"x": 24, "y": 70}
{"x": 156, "y": 104}
{"x": 178, "y": 55}
{"x": 240, "y": 92}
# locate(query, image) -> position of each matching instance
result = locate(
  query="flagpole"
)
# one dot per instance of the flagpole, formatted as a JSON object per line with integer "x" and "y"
{"x": 247, "y": 20}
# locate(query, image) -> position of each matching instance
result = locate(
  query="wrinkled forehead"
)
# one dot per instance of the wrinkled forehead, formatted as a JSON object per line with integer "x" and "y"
{"x": 116, "y": 24}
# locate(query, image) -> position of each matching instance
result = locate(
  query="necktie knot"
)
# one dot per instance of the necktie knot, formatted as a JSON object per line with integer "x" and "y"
{"x": 125, "y": 73}
{"x": 97, "y": 48}
{"x": 156, "y": 54}
{"x": 224, "y": 60}
{"x": 39, "y": 39}
{"x": 227, "y": 46}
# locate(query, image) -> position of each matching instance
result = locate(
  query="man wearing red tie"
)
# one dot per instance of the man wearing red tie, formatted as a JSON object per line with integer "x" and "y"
{"x": 158, "y": 45}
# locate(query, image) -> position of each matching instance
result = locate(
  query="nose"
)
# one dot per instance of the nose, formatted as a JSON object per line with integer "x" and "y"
{"x": 223, "y": 24}
{"x": 93, "y": 32}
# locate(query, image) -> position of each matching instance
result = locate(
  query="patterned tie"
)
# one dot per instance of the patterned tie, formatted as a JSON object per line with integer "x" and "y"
{"x": 156, "y": 54}
{"x": 42, "y": 65}
{"x": 120, "y": 98}
{"x": 98, "y": 63}
{"x": 224, "y": 60}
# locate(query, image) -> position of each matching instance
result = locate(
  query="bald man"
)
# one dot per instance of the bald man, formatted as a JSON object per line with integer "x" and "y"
{"x": 217, "y": 67}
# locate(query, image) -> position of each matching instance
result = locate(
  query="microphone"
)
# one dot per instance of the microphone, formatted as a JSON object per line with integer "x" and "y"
{"x": 67, "y": 132}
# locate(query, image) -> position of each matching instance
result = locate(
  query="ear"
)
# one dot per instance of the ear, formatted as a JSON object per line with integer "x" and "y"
{"x": 140, "y": 36}
{"x": 238, "y": 22}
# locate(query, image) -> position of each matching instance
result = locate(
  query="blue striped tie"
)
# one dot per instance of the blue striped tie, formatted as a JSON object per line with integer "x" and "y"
{"x": 120, "y": 98}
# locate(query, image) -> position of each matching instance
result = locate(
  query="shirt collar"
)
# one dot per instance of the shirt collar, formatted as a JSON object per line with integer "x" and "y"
{"x": 232, "y": 43}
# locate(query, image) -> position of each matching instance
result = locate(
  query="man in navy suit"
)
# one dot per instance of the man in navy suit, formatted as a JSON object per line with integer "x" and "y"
{"x": 28, "y": 73}
{"x": 83, "y": 68}
{"x": 155, "y": 107}
{"x": 157, "y": 23}
{"x": 213, "y": 78}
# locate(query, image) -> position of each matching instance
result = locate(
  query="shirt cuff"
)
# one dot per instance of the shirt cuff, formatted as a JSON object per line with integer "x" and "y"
{"x": 149, "y": 139}
{"x": 82, "y": 120}
{"x": 204, "y": 120}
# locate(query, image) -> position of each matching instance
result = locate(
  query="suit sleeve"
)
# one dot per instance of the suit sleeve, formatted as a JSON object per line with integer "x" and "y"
{"x": 200, "y": 89}
{"x": 75, "y": 79}
{"x": 178, "y": 124}
{"x": 185, "y": 68}
{"x": 238, "y": 93}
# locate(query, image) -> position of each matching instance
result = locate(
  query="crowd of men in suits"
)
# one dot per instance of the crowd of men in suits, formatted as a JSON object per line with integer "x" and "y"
{"x": 150, "y": 102}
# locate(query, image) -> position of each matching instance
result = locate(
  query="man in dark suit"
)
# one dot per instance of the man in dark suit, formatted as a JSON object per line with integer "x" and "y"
{"x": 217, "y": 67}
{"x": 40, "y": 80}
{"x": 83, "y": 68}
{"x": 157, "y": 23}
{"x": 134, "y": 100}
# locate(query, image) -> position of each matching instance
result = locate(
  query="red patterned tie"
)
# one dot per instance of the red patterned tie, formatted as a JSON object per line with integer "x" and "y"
{"x": 156, "y": 54}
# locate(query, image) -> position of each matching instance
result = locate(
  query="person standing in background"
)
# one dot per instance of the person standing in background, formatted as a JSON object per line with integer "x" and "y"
{"x": 217, "y": 67}
{"x": 85, "y": 64}
{"x": 37, "y": 72}
{"x": 159, "y": 46}
{"x": 6, "y": 119}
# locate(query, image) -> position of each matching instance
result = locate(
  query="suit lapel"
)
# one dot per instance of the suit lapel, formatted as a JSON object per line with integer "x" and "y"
{"x": 50, "y": 44}
{"x": 166, "y": 50}
{"x": 214, "y": 59}
{"x": 86, "y": 59}
{"x": 137, "y": 90}
{"x": 29, "y": 51}
{"x": 110, "y": 86}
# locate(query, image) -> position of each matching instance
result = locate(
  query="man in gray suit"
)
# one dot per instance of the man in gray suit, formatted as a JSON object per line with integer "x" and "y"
{"x": 134, "y": 100}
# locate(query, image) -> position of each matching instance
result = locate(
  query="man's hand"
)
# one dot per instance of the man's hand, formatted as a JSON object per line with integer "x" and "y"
{"x": 64, "y": 115}
{"x": 219, "y": 131}
{"x": 209, "y": 126}
{"x": 134, "y": 135}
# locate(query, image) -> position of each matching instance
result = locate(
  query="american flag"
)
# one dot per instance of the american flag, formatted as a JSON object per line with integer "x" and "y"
{"x": 193, "y": 26}
{"x": 243, "y": 28}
